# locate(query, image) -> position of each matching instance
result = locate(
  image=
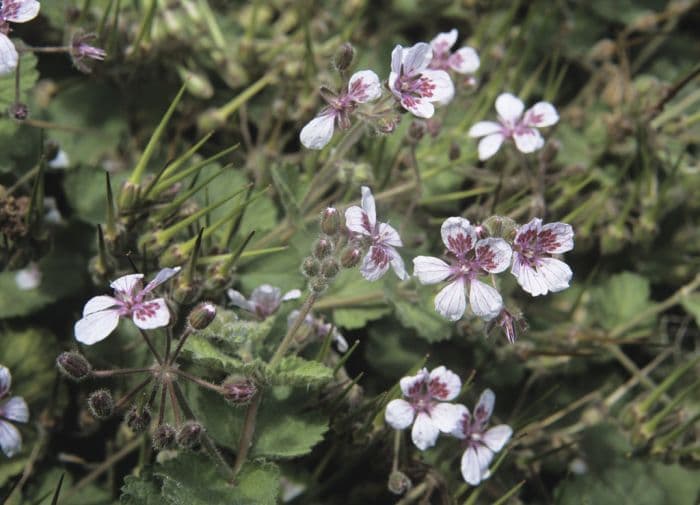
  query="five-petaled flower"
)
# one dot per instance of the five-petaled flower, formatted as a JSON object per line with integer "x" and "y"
{"x": 264, "y": 301}
{"x": 463, "y": 61}
{"x": 101, "y": 313}
{"x": 481, "y": 444}
{"x": 514, "y": 125}
{"x": 362, "y": 221}
{"x": 426, "y": 406}
{"x": 15, "y": 11}
{"x": 319, "y": 328}
{"x": 363, "y": 87}
{"x": 13, "y": 409}
{"x": 469, "y": 257}
{"x": 537, "y": 272}
{"x": 414, "y": 84}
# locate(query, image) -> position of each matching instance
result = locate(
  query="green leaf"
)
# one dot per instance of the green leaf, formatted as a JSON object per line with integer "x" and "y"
{"x": 288, "y": 436}
{"x": 355, "y": 301}
{"x": 205, "y": 352}
{"x": 87, "y": 193}
{"x": 691, "y": 303}
{"x": 296, "y": 371}
{"x": 421, "y": 316}
{"x": 140, "y": 491}
{"x": 620, "y": 298}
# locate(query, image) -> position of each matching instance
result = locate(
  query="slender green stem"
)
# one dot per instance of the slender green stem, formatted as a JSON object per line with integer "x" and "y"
{"x": 180, "y": 344}
{"x": 150, "y": 345}
{"x": 292, "y": 331}
{"x": 198, "y": 381}
{"x": 121, "y": 371}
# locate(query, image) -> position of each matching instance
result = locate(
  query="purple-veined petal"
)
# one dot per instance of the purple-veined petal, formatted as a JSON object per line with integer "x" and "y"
{"x": 151, "y": 314}
{"x": 412, "y": 385}
{"x": 356, "y": 220}
{"x": 496, "y": 437}
{"x": 542, "y": 114}
{"x": 528, "y": 140}
{"x": 416, "y": 58}
{"x": 96, "y": 326}
{"x": 528, "y": 277}
{"x": 494, "y": 254}
{"x": 99, "y": 303}
{"x": 444, "y": 89}
{"x": 489, "y": 145}
{"x": 555, "y": 273}
{"x": 8, "y": 55}
{"x": 483, "y": 128}
{"x": 266, "y": 299}
{"x": 364, "y": 86}
{"x": 528, "y": 233}
{"x": 20, "y": 11}
{"x": 451, "y": 302}
{"x": 444, "y": 384}
{"x": 462, "y": 423}
{"x": 430, "y": 270}
{"x": 10, "y": 439}
{"x": 318, "y": 132}
{"x": 445, "y": 416}
{"x": 162, "y": 276}
{"x": 458, "y": 235}
{"x": 465, "y": 61}
{"x": 484, "y": 407}
{"x": 294, "y": 294}
{"x": 397, "y": 264}
{"x": 419, "y": 107}
{"x": 239, "y": 300}
{"x": 399, "y": 414}
{"x": 425, "y": 432}
{"x": 389, "y": 236}
{"x": 375, "y": 263}
{"x": 470, "y": 466}
{"x": 5, "y": 380}
{"x": 15, "y": 409}
{"x": 556, "y": 238}
{"x": 444, "y": 41}
{"x": 485, "y": 301}
{"x": 509, "y": 107}
{"x": 396, "y": 61}
{"x": 369, "y": 207}
{"x": 127, "y": 284}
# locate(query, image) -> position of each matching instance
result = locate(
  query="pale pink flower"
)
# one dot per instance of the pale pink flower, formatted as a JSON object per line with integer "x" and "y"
{"x": 363, "y": 87}
{"x": 13, "y": 11}
{"x": 481, "y": 444}
{"x": 415, "y": 85}
{"x": 534, "y": 244}
{"x": 425, "y": 406}
{"x": 468, "y": 258}
{"x": 514, "y": 125}
{"x": 264, "y": 301}
{"x": 13, "y": 409}
{"x": 463, "y": 61}
{"x": 101, "y": 313}
{"x": 383, "y": 239}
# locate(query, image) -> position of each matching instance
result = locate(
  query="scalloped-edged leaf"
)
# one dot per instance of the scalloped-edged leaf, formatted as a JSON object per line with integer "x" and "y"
{"x": 622, "y": 297}
{"x": 296, "y": 371}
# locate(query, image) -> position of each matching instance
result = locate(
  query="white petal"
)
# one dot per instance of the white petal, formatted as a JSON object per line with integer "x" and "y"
{"x": 419, "y": 107}
{"x": 127, "y": 283}
{"x": 542, "y": 114}
{"x": 5, "y": 380}
{"x": 444, "y": 41}
{"x": 397, "y": 264}
{"x": 483, "y": 128}
{"x": 528, "y": 277}
{"x": 471, "y": 469}
{"x": 558, "y": 238}
{"x": 340, "y": 341}
{"x": 484, "y": 407}
{"x": 393, "y": 76}
{"x": 60, "y": 161}
{"x": 416, "y": 58}
{"x": 151, "y": 314}
{"x": 8, "y": 55}
{"x": 430, "y": 270}
{"x": 28, "y": 278}
{"x": 509, "y": 107}
{"x": 451, "y": 301}
{"x": 239, "y": 300}
{"x": 444, "y": 384}
{"x": 10, "y": 439}
{"x": 99, "y": 303}
{"x": 389, "y": 236}
{"x": 368, "y": 206}
{"x": 494, "y": 254}
{"x": 556, "y": 273}
{"x": 162, "y": 276}
{"x": 497, "y": 437}
{"x": 15, "y": 409}
{"x": 291, "y": 295}
{"x": 463, "y": 417}
{"x": 528, "y": 140}
{"x": 364, "y": 86}
{"x": 413, "y": 384}
{"x": 444, "y": 88}
{"x": 26, "y": 11}
{"x": 375, "y": 263}
{"x": 318, "y": 132}
{"x": 425, "y": 432}
{"x": 446, "y": 416}
{"x": 486, "y": 302}
{"x": 399, "y": 414}
{"x": 458, "y": 235}
{"x": 356, "y": 220}
{"x": 96, "y": 326}
{"x": 465, "y": 61}
{"x": 396, "y": 61}
{"x": 489, "y": 145}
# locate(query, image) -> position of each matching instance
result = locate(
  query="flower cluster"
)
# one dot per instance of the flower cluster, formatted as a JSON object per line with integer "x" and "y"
{"x": 427, "y": 409}
{"x": 13, "y": 11}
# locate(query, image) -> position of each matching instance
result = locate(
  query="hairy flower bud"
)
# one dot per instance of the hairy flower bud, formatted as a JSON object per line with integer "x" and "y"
{"x": 330, "y": 221}
{"x": 129, "y": 195}
{"x": 19, "y": 111}
{"x": 344, "y": 56}
{"x": 101, "y": 404}
{"x": 202, "y": 315}
{"x": 73, "y": 365}
{"x": 239, "y": 390}
{"x": 310, "y": 267}
{"x": 138, "y": 419}
{"x": 330, "y": 268}
{"x": 399, "y": 482}
{"x": 190, "y": 435}
{"x": 163, "y": 437}
{"x": 322, "y": 248}
{"x": 350, "y": 256}
{"x": 318, "y": 284}
{"x": 500, "y": 226}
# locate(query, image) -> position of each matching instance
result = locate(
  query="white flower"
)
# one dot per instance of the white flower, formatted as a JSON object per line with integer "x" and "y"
{"x": 101, "y": 313}
{"x": 264, "y": 301}
{"x": 481, "y": 444}
{"x": 463, "y": 61}
{"x": 469, "y": 258}
{"x": 513, "y": 125}
{"x": 13, "y": 409}
{"x": 28, "y": 278}
{"x": 425, "y": 406}
{"x": 383, "y": 239}
{"x": 415, "y": 85}
{"x": 537, "y": 272}
{"x": 13, "y": 11}
{"x": 363, "y": 87}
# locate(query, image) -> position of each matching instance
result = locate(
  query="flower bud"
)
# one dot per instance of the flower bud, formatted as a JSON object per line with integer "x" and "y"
{"x": 73, "y": 365}
{"x": 323, "y": 248}
{"x": 318, "y": 284}
{"x": 330, "y": 268}
{"x": 350, "y": 256}
{"x": 330, "y": 221}
{"x": 239, "y": 390}
{"x": 344, "y": 56}
{"x": 101, "y": 404}
{"x": 190, "y": 435}
{"x": 500, "y": 226}
{"x": 138, "y": 420}
{"x": 202, "y": 315}
{"x": 19, "y": 111}
{"x": 163, "y": 437}
{"x": 399, "y": 482}
{"x": 310, "y": 267}
{"x": 129, "y": 195}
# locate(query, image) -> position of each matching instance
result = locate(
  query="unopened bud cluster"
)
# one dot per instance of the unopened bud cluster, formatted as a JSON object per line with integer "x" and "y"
{"x": 239, "y": 390}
